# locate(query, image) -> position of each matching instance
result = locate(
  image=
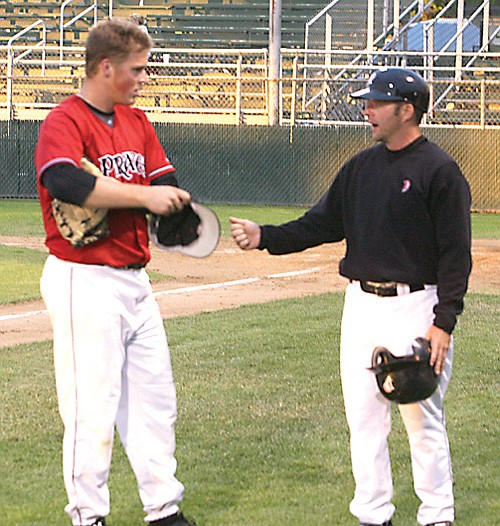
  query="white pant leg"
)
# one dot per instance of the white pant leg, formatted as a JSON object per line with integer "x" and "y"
{"x": 430, "y": 452}
{"x": 369, "y": 321}
{"x": 368, "y": 415}
{"x": 148, "y": 410}
{"x": 88, "y": 358}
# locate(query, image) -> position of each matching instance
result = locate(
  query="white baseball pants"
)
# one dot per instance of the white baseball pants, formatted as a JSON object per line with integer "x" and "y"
{"x": 392, "y": 322}
{"x": 112, "y": 366}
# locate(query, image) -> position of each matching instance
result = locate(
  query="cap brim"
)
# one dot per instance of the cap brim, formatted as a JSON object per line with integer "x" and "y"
{"x": 208, "y": 238}
{"x": 360, "y": 94}
{"x": 375, "y": 94}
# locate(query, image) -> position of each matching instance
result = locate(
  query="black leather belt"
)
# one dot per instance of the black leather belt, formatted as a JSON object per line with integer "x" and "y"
{"x": 388, "y": 288}
{"x": 133, "y": 266}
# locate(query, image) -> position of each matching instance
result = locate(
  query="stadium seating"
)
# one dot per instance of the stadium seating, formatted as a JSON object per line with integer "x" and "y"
{"x": 186, "y": 23}
{"x": 17, "y": 15}
{"x": 171, "y": 23}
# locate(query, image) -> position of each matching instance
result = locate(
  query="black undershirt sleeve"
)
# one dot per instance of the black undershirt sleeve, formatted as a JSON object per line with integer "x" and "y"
{"x": 68, "y": 183}
{"x": 73, "y": 185}
{"x": 165, "y": 180}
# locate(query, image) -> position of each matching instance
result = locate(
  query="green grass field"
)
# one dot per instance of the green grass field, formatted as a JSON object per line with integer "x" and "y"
{"x": 262, "y": 439}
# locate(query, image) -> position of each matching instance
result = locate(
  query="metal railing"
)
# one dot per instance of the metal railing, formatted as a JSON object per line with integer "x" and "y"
{"x": 64, "y": 25}
{"x": 229, "y": 86}
{"x": 12, "y": 59}
{"x": 472, "y": 101}
{"x": 392, "y": 37}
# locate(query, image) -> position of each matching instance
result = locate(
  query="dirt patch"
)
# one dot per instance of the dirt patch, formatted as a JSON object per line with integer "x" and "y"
{"x": 229, "y": 278}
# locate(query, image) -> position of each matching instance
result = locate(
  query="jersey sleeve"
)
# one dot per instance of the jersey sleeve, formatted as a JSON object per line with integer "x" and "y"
{"x": 59, "y": 141}
{"x": 450, "y": 209}
{"x": 321, "y": 224}
{"x": 157, "y": 162}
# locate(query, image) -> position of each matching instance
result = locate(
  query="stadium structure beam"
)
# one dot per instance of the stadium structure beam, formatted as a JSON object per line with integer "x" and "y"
{"x": 275, "y": 9}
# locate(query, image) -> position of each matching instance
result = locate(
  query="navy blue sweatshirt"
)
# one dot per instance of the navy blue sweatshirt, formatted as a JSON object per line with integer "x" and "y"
{"x": 405, "y": 216}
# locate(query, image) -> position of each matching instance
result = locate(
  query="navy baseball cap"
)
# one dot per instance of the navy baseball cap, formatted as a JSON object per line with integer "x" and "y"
{"x": 396, "y": 84}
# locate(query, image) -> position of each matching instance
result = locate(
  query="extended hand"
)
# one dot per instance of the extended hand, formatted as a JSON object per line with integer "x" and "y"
{"x": 245, "y": 233}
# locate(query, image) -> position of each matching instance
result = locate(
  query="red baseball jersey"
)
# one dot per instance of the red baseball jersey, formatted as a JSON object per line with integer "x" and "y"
{"x": 130, "y": 152}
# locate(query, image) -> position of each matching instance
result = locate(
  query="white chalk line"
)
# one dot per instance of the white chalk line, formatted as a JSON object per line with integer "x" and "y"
{"x": 211, "y": 286}
{"x": 183, "y": 290}
{"x": 22, "y": 315}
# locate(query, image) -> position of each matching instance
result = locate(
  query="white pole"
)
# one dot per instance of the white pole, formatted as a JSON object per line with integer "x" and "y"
{"x": 486, "y": 25}
{"x": 10, "y": 72}
{"x": 385, "y": 16}
{"x": 460, "y": 40}
{"x": 328, "y": 63}
{"x": 396, "y": 23}
{"x": 274, "y": 60}
{"x": 370, "y": 27}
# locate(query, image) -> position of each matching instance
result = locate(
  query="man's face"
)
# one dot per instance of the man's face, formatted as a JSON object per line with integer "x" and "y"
{"x": 127, "y": 78}
{"x": 385, "y": 118}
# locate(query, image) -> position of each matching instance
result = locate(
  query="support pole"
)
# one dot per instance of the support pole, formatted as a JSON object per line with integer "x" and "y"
{"x": 397, "y": 23}
{"x": 370, "y": 28}
{"x": 486, "y": 26}
{"x": 460, "y": 40}
{"x": 274, "y": 61}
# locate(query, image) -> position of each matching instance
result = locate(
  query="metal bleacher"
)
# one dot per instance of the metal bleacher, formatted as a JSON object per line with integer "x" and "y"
{"x": 17, "y": 15}
{"x": 210, "y": 60}
{"x": 171, "y": 23}
{"x": 242, "y": 24}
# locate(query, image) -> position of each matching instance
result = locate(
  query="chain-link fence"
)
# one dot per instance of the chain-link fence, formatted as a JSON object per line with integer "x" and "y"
{"x": 320, "y": 91}
{"x": 228, "y": 86}
{"x": 193, "y": 95}
{"x": 266, "y": 165}
{"x": 231, "y": 87}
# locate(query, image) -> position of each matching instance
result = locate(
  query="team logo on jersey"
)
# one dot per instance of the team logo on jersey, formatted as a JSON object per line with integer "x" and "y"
{"x": 123, "y": 165}
{"x": 406, "y": 186}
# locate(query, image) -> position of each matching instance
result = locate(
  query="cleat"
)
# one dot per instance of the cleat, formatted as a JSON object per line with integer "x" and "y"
{"x": 174, "y": 520}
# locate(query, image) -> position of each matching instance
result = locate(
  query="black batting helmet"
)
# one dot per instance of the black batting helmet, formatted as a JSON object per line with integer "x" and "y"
{"x": 405, "y": 379}
{"x": 396, "y": 84}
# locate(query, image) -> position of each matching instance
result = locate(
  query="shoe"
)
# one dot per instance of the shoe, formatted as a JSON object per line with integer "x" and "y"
{"x": 442, "y": 523}
{"x": 174, "y": 520}
{"x": 387, "y": 523}
{"x": 101, "y": 521}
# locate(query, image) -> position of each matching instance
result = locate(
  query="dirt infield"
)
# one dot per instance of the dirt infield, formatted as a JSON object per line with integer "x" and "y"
{"x": 229, "y": 278}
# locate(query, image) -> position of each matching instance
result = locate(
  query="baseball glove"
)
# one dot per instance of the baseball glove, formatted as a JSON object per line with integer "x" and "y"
{"x": 81, "y": 225}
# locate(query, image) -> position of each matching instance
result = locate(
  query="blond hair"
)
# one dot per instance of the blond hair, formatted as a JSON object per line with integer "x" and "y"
{"x": 114, "y": 39}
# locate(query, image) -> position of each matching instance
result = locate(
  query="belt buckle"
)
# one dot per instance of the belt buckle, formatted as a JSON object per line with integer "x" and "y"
{"x": 381, "y": 289}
